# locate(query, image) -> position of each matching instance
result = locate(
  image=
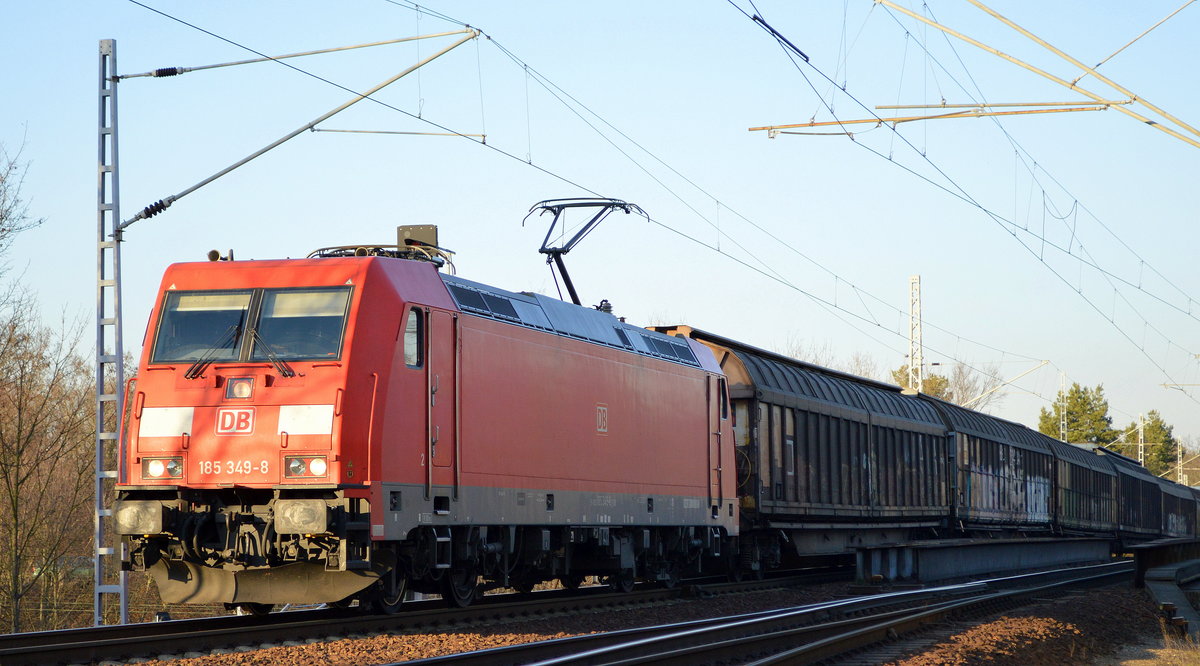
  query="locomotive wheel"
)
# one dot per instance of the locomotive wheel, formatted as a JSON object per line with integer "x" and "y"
{"x": 255, "y": 609}
{"x": 522, "y": 586}
{"x": 461, "y": 586}
{"x": 571, "y": 581}
{"x": 672, "y": 576}
{"x": 733, "y": 568}
{"x": 622, "y": 582}
{"x": 388, "y": 595}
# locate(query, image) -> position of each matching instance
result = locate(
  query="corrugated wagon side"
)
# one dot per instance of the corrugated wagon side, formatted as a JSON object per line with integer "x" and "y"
{"x": 1085, "y": 490}
{"x": 831, "y": 460}
{"x": 1139, "y": 499}
{"x": 1003, "y": 477}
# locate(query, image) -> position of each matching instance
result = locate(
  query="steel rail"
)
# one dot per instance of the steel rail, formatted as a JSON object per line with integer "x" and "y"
{"x": 822, "y": 630}
{"x": 101, "y": 643}
{"x": 702, "y": 640}
{"x": 857, "y": 638}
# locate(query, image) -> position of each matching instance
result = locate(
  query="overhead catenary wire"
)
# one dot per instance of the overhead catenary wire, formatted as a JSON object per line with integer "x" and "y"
{"x": 562, "y": 95}
{"x": 958, "y": 191}
{"x": 370, "y": 98}
{"x": 175, "y": 71}
{"x": 1034, "y": 167}
{"x": 774, "y": 130}
{"x": 163, "y": 204}
{"x": 1131, "y": 42}
{"x": 1090, "y": 70}
{"x": 481, "y": 137}
{"x": 511, "y": 156}
{"x": 1047, "y": 75}
{"x": 999, "y": 218}
{"x": 422, "y": 9}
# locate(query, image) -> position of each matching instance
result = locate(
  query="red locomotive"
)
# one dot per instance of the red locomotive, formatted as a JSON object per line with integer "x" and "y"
{"x": 314, "y": 430}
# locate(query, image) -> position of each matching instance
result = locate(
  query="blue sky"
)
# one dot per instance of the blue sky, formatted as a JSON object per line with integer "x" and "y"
{"x": 818, "y": 235}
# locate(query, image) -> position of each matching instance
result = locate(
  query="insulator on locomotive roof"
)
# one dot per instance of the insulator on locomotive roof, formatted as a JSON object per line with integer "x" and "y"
{"x": 605, "y": 306}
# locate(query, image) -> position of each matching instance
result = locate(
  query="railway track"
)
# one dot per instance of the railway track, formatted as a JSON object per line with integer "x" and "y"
{"x": 797, "y": 635}
{"x": 205, "y": 634}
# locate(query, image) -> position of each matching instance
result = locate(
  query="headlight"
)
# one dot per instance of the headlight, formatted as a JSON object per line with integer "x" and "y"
{"x": 305, "y": 466}
{"x": 301, "y": 516}
{"x": 162, "y": 468}
{"x": 317, "y": 467}
{"x": 239, "y": 388}
{"x": 139, "y": 517}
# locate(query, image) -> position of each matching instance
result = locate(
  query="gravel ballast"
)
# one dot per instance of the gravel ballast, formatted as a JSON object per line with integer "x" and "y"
{"x": 1075, "y": 629}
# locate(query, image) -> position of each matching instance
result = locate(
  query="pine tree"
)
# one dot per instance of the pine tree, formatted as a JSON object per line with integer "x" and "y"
{"x": 1162, "y": 449}
{"x": 1087, "y": 416}
{"x": 937, "y": 386}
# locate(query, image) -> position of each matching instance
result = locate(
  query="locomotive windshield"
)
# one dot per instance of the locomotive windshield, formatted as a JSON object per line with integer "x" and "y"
{"x": 301, "y": 323}
{"x": 197, "y": 323}
{"x": 252, "y": 325}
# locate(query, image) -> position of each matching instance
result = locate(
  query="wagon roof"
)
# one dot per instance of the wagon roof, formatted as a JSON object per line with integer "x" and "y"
{"x": 777, "y": 373}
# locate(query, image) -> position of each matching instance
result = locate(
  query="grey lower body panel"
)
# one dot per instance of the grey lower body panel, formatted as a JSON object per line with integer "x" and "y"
{"x": 408, "y": 506}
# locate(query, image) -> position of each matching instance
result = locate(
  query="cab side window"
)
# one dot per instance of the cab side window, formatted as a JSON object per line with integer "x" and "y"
{"x": 414, "y": 339}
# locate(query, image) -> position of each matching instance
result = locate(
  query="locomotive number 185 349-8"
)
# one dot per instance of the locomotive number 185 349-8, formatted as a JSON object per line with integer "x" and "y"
{"x": 234, "y": 466}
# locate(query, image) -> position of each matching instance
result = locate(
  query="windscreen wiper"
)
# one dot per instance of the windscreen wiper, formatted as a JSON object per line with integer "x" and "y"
{"x": 227, "y": 338}
{"x": 280, "y": 364}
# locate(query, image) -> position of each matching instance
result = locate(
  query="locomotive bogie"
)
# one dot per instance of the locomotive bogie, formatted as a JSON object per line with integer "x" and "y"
{"x": 227, "y": 546}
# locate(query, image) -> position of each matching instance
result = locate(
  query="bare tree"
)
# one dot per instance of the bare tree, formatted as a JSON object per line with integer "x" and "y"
{"x": 859, "y": 363}
{"x": 46, "y": 432}
{"x": 14, "y": 214}
{"x": 863, "y": 365}
{"x": 963, "y": 386}
{"x": 810, "y": 351}
{"x": 968, "y": 386}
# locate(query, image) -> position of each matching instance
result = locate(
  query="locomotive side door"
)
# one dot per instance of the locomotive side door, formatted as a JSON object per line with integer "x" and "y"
{"x": 718, "y": 411}
{"x": 441, "y": 382}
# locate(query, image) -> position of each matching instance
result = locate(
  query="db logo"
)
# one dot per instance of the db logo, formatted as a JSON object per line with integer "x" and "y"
{"x": 235, "y": 420}
{"x": 601, "y": 419}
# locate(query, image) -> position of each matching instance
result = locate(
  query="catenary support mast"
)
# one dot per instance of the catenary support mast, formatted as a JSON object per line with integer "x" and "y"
{"x": 110, "y": 372}
{"x": 916, "y": 353}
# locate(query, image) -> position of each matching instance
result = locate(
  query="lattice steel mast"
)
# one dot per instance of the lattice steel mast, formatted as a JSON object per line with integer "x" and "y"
{"x": 916, "y": 354}
{"x": 110, "y": 371}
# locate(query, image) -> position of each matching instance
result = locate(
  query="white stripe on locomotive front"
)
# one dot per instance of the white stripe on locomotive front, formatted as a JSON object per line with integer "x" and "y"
{"x": 306, "y": 419}
{"x": 166, "y": 421}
